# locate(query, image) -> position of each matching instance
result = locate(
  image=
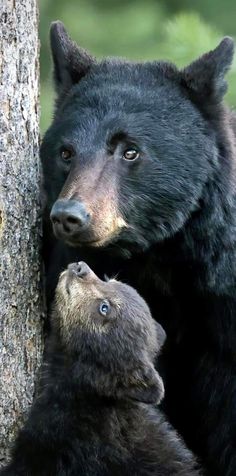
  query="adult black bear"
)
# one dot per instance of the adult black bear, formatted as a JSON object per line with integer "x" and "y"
{"x": 96, "y": 411}
{"x": 139, "y": 168}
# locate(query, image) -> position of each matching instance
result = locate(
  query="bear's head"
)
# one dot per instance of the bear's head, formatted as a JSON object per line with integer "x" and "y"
{"x": 105, "y": 328}
{"x": 132, "y": 145}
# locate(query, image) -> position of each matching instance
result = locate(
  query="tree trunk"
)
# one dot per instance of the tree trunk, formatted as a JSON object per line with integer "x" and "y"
{"x": 21, "y": 303}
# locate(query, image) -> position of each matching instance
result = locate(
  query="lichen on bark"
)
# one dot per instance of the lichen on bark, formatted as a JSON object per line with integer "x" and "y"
{"x": 21, "y": 302}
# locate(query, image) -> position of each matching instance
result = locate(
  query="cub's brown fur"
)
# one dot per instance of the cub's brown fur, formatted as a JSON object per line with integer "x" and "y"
{"x": 96, "y": 413}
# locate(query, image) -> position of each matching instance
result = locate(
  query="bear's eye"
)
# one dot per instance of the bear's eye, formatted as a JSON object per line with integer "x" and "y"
{"x": 66, "y": 154}
{"x": 131, "y": 154}
{"x": 104, "y": 308}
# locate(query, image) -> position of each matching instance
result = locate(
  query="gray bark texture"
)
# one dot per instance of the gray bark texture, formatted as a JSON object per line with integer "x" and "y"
{"x": 21, "y": 302}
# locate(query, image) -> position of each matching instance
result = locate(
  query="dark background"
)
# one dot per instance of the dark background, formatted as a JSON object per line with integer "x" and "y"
{"x": 177, "y": 30}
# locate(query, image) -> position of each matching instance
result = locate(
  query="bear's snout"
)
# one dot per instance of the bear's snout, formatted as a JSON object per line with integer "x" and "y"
{"x": 69, "y": 217}
{"x": 80, "y": 269}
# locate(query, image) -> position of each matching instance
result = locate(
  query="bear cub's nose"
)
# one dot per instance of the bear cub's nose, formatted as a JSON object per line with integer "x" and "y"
{"x": 80, "y": 269}
{"x": 69, "y": 217}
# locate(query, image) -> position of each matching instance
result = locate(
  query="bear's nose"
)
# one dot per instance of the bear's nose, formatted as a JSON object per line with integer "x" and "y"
{"x": 69, "y": 217}
{"x": 81, "y": 269}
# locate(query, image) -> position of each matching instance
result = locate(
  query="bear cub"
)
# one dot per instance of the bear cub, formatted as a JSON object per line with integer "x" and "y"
{"x": 96, "y": 412}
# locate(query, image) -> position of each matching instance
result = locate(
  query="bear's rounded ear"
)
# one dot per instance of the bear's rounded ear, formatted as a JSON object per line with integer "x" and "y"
{"x": 145, "y": 386}
{"x": 71, "y": 62}
{"x": 205, "y": 77}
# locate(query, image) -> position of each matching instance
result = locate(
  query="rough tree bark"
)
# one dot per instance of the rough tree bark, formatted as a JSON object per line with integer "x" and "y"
{"x": 21, "y": 303}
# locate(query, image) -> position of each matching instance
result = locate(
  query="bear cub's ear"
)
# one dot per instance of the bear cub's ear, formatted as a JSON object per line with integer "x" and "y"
{"x": 145, "y": 386}
{"x": 205, "y": 77}
{"x": 71, "y": 62}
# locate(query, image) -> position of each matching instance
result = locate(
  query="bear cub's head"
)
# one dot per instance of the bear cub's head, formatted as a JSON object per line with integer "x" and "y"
{"x": 107, "y": 329}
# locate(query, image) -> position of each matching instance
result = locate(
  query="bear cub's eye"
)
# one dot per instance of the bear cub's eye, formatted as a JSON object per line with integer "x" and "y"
{"x": 131, "y": 154}
{"x": 66, "y": 153}
{"x": 104, "y": 308}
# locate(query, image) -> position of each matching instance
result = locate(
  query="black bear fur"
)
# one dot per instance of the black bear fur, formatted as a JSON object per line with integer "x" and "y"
{"x": 165, "y": 222}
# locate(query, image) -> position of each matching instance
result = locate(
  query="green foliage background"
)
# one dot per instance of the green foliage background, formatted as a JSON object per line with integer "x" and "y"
{"x": 177, "y": 30}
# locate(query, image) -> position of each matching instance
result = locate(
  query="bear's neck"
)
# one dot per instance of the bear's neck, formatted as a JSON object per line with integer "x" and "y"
{"x": 201, "y": 255}
{"x": 80, "y": 384}
{"x": 76, "y": 372}
{"x": 205, "y": 248}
